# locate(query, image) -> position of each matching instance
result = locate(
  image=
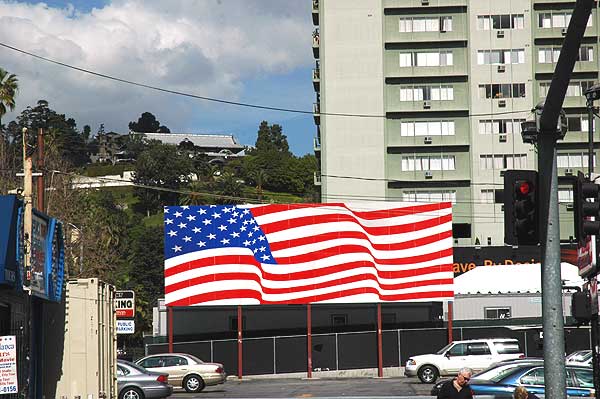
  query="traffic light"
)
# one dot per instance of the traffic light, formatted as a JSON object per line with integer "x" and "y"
{"x": 521, "y": 220}
{"x": 583, "y": 190}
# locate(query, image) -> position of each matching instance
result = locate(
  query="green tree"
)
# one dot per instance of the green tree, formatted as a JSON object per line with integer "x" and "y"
{"x": 144, "y": 273}
{"x": 9, "y": 85}
{"x": 228, "y": 186}
{"x": 147, "y": 123}
{"x": 271, "y": 138}
{"x": 161, "y": 166}
{"x": 62, "y": 138}
{"x": 8, "y": 90}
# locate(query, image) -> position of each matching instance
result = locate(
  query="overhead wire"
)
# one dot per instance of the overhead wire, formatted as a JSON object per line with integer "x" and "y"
{"x": 213, "y": 99}
{"x": 485, "y": 215}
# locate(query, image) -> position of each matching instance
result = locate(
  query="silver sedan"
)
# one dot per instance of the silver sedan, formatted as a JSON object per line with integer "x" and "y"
{"x": 135, "y": 382}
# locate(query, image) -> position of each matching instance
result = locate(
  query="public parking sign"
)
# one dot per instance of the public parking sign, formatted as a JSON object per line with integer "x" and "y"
{"x": 125, "y": 304}
{"x": 125, "y": 326}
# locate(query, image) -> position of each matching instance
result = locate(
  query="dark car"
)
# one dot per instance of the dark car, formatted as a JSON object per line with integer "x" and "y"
{"x": 491, "y": 371}
{"x": 531, "y": 376}
{"x": 135, "y": 382}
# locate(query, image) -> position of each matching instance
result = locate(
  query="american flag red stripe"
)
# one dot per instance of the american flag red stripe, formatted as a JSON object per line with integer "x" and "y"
{"x": 309, "y": 253}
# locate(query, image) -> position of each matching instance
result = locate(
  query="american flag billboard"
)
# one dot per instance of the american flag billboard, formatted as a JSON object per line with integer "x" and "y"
{"x": 308, "y": 253}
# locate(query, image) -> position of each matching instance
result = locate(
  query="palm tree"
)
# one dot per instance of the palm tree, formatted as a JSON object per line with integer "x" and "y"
{"x": 8, "y": 89}
{"x": 260, "y": 177}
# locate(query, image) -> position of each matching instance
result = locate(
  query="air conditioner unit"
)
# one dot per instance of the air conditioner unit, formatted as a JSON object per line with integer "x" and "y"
{"x": 426, "y": 104}
{"x": 563, "y": 31}
{"x": 502, "y": 138}
{"x": 428, "y": 174}
{"x": 568, "y": 172}
{"x": 502, "y": 103}
{"x": 428, "y": 140}
{"x": 569, "y": 206}
{"x": 501, "y": 68}
{"x": 500, "y": 33}
{"x": 424, "y": 2}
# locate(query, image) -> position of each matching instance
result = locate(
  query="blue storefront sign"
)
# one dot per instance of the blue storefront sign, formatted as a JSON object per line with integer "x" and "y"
{"x": 9, "y": 213}
{"x": 46, "y": 245}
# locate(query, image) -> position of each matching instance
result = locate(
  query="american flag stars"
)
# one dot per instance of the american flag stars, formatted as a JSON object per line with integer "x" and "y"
{"x": 233, "y": 227}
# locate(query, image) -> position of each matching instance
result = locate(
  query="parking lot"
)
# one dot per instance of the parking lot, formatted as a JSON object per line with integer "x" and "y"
{"x": 312, "y": 388}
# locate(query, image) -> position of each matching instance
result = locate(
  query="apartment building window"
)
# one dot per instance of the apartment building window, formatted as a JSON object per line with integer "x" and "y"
{"x": 575, "y": 89}
{"x": 502, "y": 21}
{"x": 430, "y": 196}
{"x": 426, "y": 93}
{"x": 548, "y": 55}
{"x": 573, "y": 160}
{"x": 565, "y": 195}
{"x": 577, "y": 123}
{"x": 504, "y": 90}
{"x": 437, "y": 58}
{"x": 500, "y": 57}
{"x": 428, "y": 162}
{"x": 557, "y": 19}
{"x": 487, "y": 196}
{"x": 427, "y": 128}
{"x": 425, "y": 24}
{"x": 498, "y": 126}
{"x": 502, "y": 161}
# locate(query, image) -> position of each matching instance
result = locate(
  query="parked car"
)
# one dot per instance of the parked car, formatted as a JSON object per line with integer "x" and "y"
{"x": 579, "y": 381}
{"x": 134, "y": 382}
{"x": 186, "y": 371}
{"x": 492, "y": 371}
{"x": 580, "y": 358}
{"x": 477, "y": 354}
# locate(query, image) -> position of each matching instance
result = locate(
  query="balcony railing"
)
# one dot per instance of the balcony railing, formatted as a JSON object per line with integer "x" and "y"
{"x": 315, "y": 12}
{"x": 315, "y": 45}
{"x": 317, "y": 178}
{"x": 317, "y": 113}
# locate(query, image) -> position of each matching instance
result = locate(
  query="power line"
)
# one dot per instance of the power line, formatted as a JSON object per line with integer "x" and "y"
{"x": 212, "y": 99}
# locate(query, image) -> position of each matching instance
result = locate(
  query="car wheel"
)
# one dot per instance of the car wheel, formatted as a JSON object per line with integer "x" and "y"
{"x": 193, "y": 383}
{"x": 131, "y": 393}
{"x": 428, "y": 374}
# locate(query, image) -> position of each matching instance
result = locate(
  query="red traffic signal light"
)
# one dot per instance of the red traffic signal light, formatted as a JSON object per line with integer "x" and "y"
{"x": 524, "y": 187}
{"x": 521, "y": 220}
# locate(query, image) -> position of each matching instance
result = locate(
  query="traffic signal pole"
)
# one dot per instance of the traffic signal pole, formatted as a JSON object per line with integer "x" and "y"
{"x": 552, "y": 309}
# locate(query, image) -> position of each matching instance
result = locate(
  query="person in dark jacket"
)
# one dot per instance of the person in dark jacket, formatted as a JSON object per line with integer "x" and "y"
{"x": 457, "y": 388}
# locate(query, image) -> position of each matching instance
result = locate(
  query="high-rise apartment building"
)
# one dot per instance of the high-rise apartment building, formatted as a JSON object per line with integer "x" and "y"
{"x": 422, "y": 100}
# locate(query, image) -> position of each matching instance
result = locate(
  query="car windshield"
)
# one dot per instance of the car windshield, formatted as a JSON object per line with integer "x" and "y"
{"x": 511, "y": 368}
{"x": 443, "y": 350}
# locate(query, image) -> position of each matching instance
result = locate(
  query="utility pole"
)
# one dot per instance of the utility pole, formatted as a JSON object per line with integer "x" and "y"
{"x": 28, "y": 205}
{"x": 40, "y": 167}
{"x": 552, "y": 309}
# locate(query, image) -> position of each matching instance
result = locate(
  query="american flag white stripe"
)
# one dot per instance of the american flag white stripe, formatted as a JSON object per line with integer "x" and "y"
{"x": 308, "y": 253}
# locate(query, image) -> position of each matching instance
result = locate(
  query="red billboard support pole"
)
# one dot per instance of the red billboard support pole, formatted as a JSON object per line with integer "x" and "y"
{"x": 450, "y": 317}
{"x": 379, "y": 344}
{"x": 170, "y": 327}
{"x": 239, "y": 326}
{"x": 309, "y": 341}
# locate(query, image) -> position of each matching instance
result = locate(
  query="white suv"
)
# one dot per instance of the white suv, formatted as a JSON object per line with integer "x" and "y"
{"x": 476, "y": 354}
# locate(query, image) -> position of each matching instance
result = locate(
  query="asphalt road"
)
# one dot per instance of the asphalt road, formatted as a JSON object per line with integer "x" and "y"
{"x": 313, "y": 388}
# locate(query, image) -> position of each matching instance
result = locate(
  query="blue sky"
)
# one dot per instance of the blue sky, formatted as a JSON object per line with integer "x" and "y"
{"x": 251, "y": 51}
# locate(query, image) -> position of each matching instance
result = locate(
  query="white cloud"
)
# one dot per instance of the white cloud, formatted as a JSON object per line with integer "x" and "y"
{"x": 204, "y": 47}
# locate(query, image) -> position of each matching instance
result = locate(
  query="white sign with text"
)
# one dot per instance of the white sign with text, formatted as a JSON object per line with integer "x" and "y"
{"x": 8, "y": 365}
{"x": 125, "y": 326}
